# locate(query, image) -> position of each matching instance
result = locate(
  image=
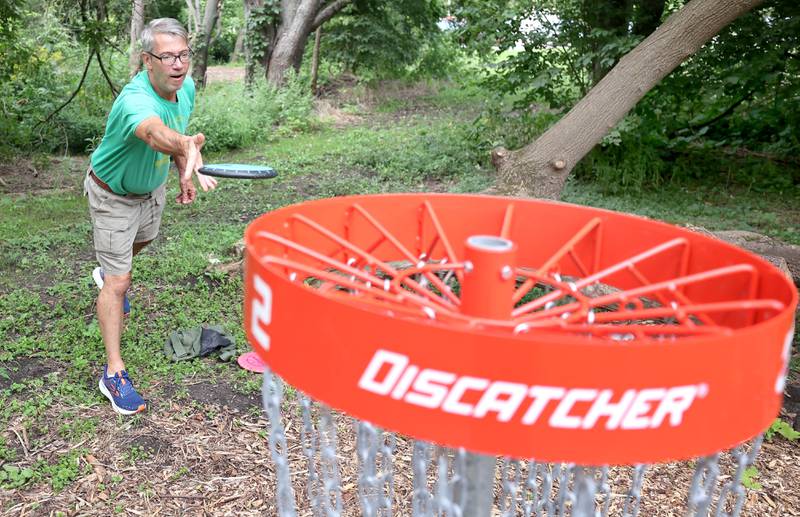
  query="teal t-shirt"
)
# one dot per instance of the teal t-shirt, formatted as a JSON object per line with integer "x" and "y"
{"x": 122, "y": 160}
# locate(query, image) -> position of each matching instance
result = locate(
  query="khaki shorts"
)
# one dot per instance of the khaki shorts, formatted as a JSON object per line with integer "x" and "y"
{"x": 119, "y": 221}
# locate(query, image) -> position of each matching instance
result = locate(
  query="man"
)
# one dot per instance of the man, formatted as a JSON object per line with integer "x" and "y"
{"x": 126, "y": 183}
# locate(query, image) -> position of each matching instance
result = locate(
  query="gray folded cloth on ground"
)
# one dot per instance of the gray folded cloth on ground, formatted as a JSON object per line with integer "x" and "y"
{"x": 199, "y": 342}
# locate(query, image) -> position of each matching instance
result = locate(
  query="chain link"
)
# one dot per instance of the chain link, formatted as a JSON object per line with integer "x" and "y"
{"x": 375, "y": 451}
{"x": 323, "y": 484}
{"x": 445, "y": 467}
{"x": 705, "y": 480}
{"x": 634, "y": 495}
{"x": 272, "y": 396}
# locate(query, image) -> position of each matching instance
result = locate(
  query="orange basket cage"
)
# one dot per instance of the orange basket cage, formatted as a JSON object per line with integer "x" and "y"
{"x": 521, "y": 328}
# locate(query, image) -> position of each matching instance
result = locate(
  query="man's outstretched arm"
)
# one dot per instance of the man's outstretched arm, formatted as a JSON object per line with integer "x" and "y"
{"x": 184, "y": 149}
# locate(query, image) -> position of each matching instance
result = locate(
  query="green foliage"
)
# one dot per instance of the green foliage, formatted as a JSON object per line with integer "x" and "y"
{"x": 12, "y": 476}
{"x": 259, "y": 22}
{"x": 222, "y": 46}
{"x": 389, "y": 40}
{"x": 41, "y": 68}
{"x": 60, "y": 474}
{"x": 728, "y": 113}
{"x": 545, "y": 51}
{"x": 781, "y": 428}
{"x": 740, "y": 90}
{"x": 233, "y": 117}
{"x": 749, "y": 477}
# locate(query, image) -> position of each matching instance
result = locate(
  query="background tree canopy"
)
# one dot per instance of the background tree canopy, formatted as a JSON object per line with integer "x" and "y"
{"x": 733, "y": 97}
{"x": 731, "y": 108}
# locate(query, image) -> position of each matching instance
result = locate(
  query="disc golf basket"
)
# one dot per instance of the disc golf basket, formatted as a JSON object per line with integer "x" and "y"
{"x": 497, "y": 356}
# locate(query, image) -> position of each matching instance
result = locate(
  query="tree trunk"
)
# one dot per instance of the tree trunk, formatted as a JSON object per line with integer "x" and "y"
{"x": 137, "y": 24}
{"x": 238, "y": 47}
{"x": 315, "y": 61}
{"x": 298, "y": 19}
{"x": 540, "y": 169}
{"x": 193, "y": 19}
{"x": 202, "y": 41}
{"x": 258, "y": 39}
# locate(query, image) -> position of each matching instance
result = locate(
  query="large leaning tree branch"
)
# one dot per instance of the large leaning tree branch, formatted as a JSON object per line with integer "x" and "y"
{"x": 327, "y": 12}
{"x": 540, "y": 169}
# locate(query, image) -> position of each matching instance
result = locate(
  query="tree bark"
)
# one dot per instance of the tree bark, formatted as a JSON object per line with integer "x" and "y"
{"x": 315, "y": 61}
{"x": 298, "y": 19}
{"x": 540, "y": 169}
{"x": 238, "y": 47}
{"x": 279, "y": 45}
{"x": 137, "y": 24}
{"x": 193, "y": 18}
{"x": 202, "y": 41}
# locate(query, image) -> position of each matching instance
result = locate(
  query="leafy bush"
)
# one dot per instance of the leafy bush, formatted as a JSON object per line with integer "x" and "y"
{"x": 435, "y": 154}
{"x": 232, "y": 117}
{"x": 42, "y": 66}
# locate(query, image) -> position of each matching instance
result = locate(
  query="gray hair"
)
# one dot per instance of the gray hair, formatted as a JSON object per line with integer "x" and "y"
{"x": 161, "y": 26}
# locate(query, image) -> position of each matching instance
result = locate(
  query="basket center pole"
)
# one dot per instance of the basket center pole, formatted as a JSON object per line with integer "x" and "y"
{"x": 486, "y": 292}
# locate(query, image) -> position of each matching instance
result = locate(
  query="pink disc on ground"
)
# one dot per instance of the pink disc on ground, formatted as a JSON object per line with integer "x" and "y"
{"x": 251, "y": 361}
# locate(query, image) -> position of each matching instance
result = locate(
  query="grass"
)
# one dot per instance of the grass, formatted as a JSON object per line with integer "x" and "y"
{"x": 50, "y": 345}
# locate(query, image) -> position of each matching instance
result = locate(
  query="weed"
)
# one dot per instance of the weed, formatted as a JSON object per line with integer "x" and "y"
{"x": 181, "y": 472}
{"x": 749, "y": 477}
{"x": 136, "y": 453}
{"x": 781, "y": 428}
{"x": 12, "y": 476}
{"x": 77, "y": 428}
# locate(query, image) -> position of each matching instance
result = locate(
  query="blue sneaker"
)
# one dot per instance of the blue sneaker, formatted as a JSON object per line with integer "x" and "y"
{"x": 98, "y": 276}
{"x": 120, "y": 391}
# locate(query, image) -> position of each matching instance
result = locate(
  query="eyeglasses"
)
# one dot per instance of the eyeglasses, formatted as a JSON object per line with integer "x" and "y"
{"x": 169, "y": 59}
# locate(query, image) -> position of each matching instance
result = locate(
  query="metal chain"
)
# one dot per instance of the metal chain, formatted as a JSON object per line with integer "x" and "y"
{"x": 449, "y": 490}
{"x": 734, "y": 488}
{"x": 421, "y": 498}
{"x": 323, "y": 484}
{"x": 510, "y": 492}
{"x": 634, "y": 495}
{"x": 704, "y": 480}
{"x": 706, "y": 476}
{"x": 375, "y": 451}
{"x": 529, "y": 489}
{"x": 309, "y": 445}
{"x": 550, "y": 490}
{"x": 331, "y": 483}
{"x": 271, "y": 396}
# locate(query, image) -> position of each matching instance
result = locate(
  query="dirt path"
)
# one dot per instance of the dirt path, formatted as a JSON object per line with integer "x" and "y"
{"x": 215, "y": 74}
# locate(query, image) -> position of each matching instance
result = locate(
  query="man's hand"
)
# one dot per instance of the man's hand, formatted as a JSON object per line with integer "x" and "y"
{"x": 189, "y": 163}
{"x": 184, "y": 149}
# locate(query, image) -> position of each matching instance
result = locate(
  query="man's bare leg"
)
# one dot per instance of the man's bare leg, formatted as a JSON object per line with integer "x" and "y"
{"x": 109, "y": 315}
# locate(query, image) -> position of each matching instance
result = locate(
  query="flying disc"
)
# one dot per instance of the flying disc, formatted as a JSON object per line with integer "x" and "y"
{"x": 251, "y": 361}
{"x": 238, "y": 170}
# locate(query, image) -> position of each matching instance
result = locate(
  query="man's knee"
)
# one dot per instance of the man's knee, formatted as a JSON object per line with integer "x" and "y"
{"x": 117, "y": 284}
